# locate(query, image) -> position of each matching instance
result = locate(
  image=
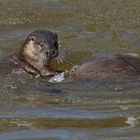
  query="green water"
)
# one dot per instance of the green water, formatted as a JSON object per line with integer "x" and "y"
{"x": 36, "y": 110}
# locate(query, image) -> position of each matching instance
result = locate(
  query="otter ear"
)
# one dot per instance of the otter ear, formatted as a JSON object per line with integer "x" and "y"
{"x": 31, "y": 37}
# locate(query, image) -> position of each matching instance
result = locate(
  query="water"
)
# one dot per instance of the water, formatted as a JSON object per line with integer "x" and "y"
{"x": 37, "y": 110}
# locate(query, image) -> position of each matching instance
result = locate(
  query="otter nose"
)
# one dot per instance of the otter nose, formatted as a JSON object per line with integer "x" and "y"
{"x": 52, "y": 53}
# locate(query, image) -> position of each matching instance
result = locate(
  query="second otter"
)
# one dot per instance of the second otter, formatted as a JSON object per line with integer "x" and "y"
{"x": 110, "y": 67}
{"x": 115, "y": 66}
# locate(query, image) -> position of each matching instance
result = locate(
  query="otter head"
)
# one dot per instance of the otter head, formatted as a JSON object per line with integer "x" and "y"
{"x": 39, "y": 48}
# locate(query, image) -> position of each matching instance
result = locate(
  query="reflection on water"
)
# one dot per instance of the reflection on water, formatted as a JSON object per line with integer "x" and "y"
{"x": 35, "y": 109}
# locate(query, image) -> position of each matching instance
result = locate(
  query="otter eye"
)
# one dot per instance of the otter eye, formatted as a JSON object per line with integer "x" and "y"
{"x": 42, "y": 44}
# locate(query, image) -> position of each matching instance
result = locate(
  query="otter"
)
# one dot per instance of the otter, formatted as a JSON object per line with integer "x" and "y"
{"x": 41, "y": 46}
{"x": 110, "y": 67}
{"x": 34, "y": 57}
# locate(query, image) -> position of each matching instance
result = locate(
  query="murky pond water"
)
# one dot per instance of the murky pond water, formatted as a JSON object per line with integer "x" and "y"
{"x": 36, "y": 109}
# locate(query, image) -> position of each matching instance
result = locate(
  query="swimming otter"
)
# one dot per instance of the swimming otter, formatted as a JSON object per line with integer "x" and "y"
{"x": 41, "y": 46}
{"x": 114, "y": 66}
{"x": 35, "y": 54}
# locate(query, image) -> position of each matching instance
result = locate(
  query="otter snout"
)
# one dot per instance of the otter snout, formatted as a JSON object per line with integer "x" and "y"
{"x": 51, "y": 53}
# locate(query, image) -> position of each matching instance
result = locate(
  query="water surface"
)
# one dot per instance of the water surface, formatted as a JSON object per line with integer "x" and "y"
{"x": 38, "y": 110}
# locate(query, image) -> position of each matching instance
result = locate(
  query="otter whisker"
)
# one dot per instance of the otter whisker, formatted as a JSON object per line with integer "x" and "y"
{"x": 59, "y": 60}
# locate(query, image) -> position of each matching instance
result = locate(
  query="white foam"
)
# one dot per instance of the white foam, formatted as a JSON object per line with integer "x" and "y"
{"x": 57, "y": 78}
{"x": 131, "y": 121}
